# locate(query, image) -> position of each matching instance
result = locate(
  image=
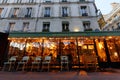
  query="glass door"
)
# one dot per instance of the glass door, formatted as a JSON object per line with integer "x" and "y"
{"x": 68, "y": 47}
{"x": 85, "y": 49}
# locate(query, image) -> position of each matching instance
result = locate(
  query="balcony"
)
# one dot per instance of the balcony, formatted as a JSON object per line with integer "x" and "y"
{"x": 45, "y": 30}
{"x": 64, "y": 15}
{"x": 65, "y": 30}
{"x": 46, "y": 15}
{"x": 64, "y": 1}
{"x": 13, "y": 16}
{"x": 27, "y": 16}
{"x": 84, "y": 14}
{"x": 82, "y": 0}
{"x": 89, "y": 29}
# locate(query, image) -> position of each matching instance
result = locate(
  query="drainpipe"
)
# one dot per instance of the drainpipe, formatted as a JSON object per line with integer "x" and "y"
{"x": 37, "y": 18}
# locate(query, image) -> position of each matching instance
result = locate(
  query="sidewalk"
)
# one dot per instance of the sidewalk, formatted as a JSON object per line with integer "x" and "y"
{"x": 82, "y": 75}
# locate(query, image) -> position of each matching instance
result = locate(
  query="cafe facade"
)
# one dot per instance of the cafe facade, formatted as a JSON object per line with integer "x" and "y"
{"x": 104, "y": 45}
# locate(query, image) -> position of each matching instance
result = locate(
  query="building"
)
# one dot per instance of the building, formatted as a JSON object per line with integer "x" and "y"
{"x": 113, "y": 18}
{"x": 56, "y": 28}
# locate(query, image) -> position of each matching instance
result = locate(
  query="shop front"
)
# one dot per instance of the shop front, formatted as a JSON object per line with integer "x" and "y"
{"x": 76, "y": 45}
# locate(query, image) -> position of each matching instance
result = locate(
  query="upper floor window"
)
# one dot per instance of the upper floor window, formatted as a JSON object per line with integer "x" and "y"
{"x": 118, "y": 24}
{"x": 113, "y": 28}
{"x": 64, "y": 0}
{"x": 65, "y": 26}
{"x": 17, "y": 1}
{"x": 84, "y": 11}
{"x": 15, "y": 12}
{"x": 1, "y": 9}
{"x": 86, "y": 25}
{"x": 4, "y": 1}
{"x": 31, "y": 1}
{"x": 46, "y": 26}
{"x": 29, "y": 12}
{"x": 11, "y": 27}
{"x": 25, "y": 26}
{"x": 82, "y": 0}
{"x": 47, "y": 0}
{"x": 47, "y": 12}
{"x": 64, "y": 11}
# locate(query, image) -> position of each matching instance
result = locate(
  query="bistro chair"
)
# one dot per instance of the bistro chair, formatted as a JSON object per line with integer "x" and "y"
{"x": 36, "y": 63}
{"x": 46, "y": 61}
{"x": 64, "y": 61}
{"x": 23, "y": 62}
{"x": 11, "y": 63}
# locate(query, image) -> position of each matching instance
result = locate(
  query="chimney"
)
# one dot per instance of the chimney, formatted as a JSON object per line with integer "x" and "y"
{"x": 114, "y": 5}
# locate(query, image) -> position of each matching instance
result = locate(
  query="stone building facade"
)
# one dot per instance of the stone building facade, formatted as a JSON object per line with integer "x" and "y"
{"x": 113, "y": 19}
{"x": 48, "y": 15}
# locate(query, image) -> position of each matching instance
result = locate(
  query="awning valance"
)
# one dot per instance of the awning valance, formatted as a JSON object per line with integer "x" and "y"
{"x": 63, "y": 34}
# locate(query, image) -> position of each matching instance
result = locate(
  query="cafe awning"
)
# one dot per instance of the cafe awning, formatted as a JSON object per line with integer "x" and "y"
{"x": 63, "y": 34}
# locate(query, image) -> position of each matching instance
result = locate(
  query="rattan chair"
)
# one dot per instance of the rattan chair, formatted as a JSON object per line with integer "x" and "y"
{"x": 23, "y": 62}
{"x": 46, "y": 61}
{"x": 11, "y": 63}
{"x": 64, "y": 62}
{"x": 36, "y": 63}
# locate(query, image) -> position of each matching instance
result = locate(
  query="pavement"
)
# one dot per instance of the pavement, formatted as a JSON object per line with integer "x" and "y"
{"x": 108, "y": 74}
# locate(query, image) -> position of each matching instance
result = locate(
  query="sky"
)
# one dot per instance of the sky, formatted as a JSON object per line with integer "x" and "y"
{"x": 104, "y": 5}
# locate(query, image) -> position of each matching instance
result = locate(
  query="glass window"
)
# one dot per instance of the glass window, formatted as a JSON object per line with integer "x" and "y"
{"x": 22, "y": 46}
{"x": 68, "y": 48}
{"x": 47, "y": 0}
{"x": 25, "y": 26}
{"x": 17, "y": 1}
{"x": 31, "y": 1}
{"x": 65, "y": 26}
{"x": 101, "y": 50}
{"x": 11, "y": 27}
{"x": 64, "y": 11}
{"x": 64, "y": 0}
{"x": 15, "y": 13}
{"x": 83, "y": 11}
{"x": 81, "y": 0}
{"x": 4, "y": 1}
{"x": 112, "y": 48}
{"x": 29, "y": 12}
{"x": 86, "y": 25}
{"x": 46, "y": 26}
{"x": 47, "y": 12}
{"x": 118, "y": 24}
{"x": 50, "y": 48}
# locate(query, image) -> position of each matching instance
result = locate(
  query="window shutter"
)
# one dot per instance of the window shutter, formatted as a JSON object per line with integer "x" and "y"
{"x": 11, "y": 12}
{"x": 88, "y": 10}
{"x": 42, "y": 12}
{"x": 19, "y": 13}
{"x": 33, "y": 12}
{"x": 69, "y": 11}
{"x": 24, "y": 12}
{"x": 79, "y": 12}
{"x": 60, "y": 11}
{"x": 3, "y": 14}
{"x": 51, "y": 12}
